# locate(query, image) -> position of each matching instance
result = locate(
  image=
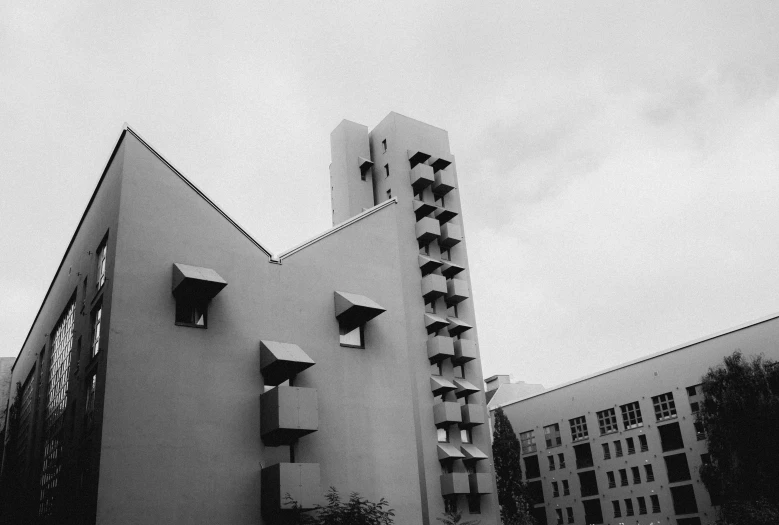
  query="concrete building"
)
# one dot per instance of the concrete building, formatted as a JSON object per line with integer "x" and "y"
{"x": 622, "y": 446}
{"x": 500, "y": 389}
{"x": 6, "y": 363}
{"x": 179, "y": 372}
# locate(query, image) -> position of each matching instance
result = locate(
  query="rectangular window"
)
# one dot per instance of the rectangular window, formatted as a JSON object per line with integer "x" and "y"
{"x": 569, "y": 511}
{"x": 555, "y": 489}
{"x": 692, "y": 390}
{"x": 474, "y": 504}
{"x": 665, "y": 408}
{"x": 655, "y": 503}
{"x": 700, "y": 432}
{"x": 386, "y": 169}
{"x": 617, "y": 510}
{"x": 631, "y": 446}
{"x": 532, "y": 469}
{"x": 695, "y": 407}
{"x": 670, "y": 437}
{"x": 641, "y": 505}
{"x": 578, "y": 428}
{"x": 561, "y": 460}
{"x": 677, "y": 467}
{"x": 191, "y": 312}
{"x": 528, "y": 442}
{"x": 636, "y": 475}
{"x": 631, "y": 415}
{"x": 436, "y": 369}
{"x": 459, "y": 372}
{"x": 650, "y": 473}
{"x": 642, "y": 441}
{"x": 607, "y": 421}
{"x": 552, "y": 436}
{"x": 102, "y": 254}
{"x": 465, "y": 435}
{"x": 623, "y": 477}
{"x": 583, "y": 454}
{"x": 606, "y": 451}
{"x": 684, "y": 500}
{"x": 25, "y": 421}
{"x": 550, "y": 459}
{"x": 97, "y": 317}
{"x": 443, "y": 435}
{"x": 566, "y": 488}
{"x": 559, "y": 516}
{"x": 628, "y": 507}
{"x": 618, "y": 449}
{"x": 354, "y": 338}
{"x": 450, "y": 503}
{"x": 612, "y": 480}
{"x": 588, "y": 483}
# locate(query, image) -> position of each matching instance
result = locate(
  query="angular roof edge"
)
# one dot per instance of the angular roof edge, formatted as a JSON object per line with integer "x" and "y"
{"x": 334, "y": 229}
{"x": 661, "y": 353}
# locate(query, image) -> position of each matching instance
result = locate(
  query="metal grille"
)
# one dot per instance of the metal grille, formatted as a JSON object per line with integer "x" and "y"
{"x": 607, "y": 421}
{"x": 578, "y": 428}
{"x": 25, "y": 420}
{"x": 631, "y": 415}
{"x": 55, "y": 409}
{"x": 665, "y": 408}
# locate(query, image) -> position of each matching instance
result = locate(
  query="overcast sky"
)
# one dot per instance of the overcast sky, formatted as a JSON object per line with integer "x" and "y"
{"x": 618, "y": 161}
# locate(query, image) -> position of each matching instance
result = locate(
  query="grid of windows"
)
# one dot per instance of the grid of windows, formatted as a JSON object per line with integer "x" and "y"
{"x": 655, "y": 503}
{"x": 636, "y": 475}
{"x": 561, "y": 460}
{"x": 61, "y": 347}
{"x": 606, "y": 451}
{"x": 612, "y": 480}
{"x": 642, "y": 441}
{"x": 550, "y": 459}
{"x": 566, "y": 488}
{"x": 528, "y": 442}
{"x": 631, "y": 415}
{"x": 631, "y": 446}
{"x": 628, "y": 507}
{"x": 650, "y": 474}
{"x": 25, "y": 421}
{"x": 569, "y": 511}
{"x": 618, "y": 449}
{"x": 552, "y": 435}
{"x": 665, "y": 408}
{"x": 607, "y": 421}
{"x": 617, "y": 510}
{"x": 578, "y": 428}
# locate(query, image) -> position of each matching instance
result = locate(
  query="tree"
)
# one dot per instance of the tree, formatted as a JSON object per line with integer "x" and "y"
{"x": 740, "y": 415}
{"x": 355, "y": 511}
{"x": 512, "y": 493}
{"x": 454, "y": 518}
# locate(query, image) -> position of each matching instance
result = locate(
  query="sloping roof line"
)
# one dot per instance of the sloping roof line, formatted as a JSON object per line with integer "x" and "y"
{"x": 334, "y": 229}
{"x": 661, "y": 353}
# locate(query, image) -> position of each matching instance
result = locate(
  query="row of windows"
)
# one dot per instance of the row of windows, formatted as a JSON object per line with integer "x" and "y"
{"x": 560, "y": 461}
{"x": 556, "y": 488}
{"x": 568, "y": 512}
{"x": 635, "y": 472}
{"x": 631, "y": 447}
{"x": 465, "y": 435}
{"x": 642, "y": 509}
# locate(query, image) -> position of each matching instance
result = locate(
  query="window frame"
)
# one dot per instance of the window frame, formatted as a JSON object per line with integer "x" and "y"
{"x": 527, "y": 442}
{"x": 665, "y": 406}
{"x": 102, "y": 263}
{"x": 631, "y": 415}
{"x": 579, "y": 430}
{"x": 607, "y": 421}
{"x": 552, "y": 434}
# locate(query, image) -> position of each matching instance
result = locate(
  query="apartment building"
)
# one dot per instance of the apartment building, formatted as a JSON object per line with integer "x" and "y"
{"x": 623, "y": 446}
{"x": 180, "y": 372}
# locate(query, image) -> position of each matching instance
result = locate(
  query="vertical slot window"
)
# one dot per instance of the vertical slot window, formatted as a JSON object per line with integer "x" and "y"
{"x": 97, "y": 320}
{"x": 102, "y": 254}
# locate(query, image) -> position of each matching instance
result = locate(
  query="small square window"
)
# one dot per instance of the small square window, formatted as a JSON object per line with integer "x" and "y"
{"x": 443, "y": 435}
{"x": 191, "y": 312}
{"x": 354, "y": 338}
{"x": 695, "y": 407}
{"x": 692, "y": 390}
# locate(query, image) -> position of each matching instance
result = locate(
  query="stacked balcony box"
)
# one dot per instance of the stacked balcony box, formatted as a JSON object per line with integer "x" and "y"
{"x": 301, "y": 481}
{"x": 440, "y": 386}
{"x": 472, "y": 415}
{"x": 464, "y": 351}
{"x": 428, "y": 264}
{"x": 282, "y": 361}
{"x": 444, "y": 215}
{"x": 353, "y": 310}
{"x": 448, "y": 452}
{"x": 480, "y": 483}
{"x": 456, "y": 291}
{"x": 417, "y": 157}
{"x": 472, "y": 453}
{"x": 287, "y": 413}
{"x": 423, "y": 209}
{"x": 450, "y": 235}
{"x": 421, "y": 177}
{"x": 450, "y": 269}
{"x": 444, "y": 182}
{"x": 365, "y": 165}
{"x": 464, "y": 388}
{"x": 441, "y": 163}
{"x": 457, "y": 326}
{"x": 427, "y": 230}
{"x": 455, "y": 483}
{"x": 433, "y": 287}
{"x": 446, "y": 413}
{"x": 434, "y": 323}
{"x": 439, "y": 348}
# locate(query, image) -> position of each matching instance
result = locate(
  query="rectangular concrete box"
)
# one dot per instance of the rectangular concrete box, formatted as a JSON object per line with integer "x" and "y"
{"x": 287, "y": 413}
{"x": 455, "y": 483}
{"x": 421, "y": 176}
{"x": 456, "y": 291}
{"x": 472, "y": 415}
{"x": 433, "y": 287}
{"x": 464, "y": 351}
{"x": 300, "y": 480}
{"x": 446, "y": 413}
{"x": 444, "y": 214}
{"x": 444, "y": 182}
{"x": 423, "y": 209}
{"x": 427, "y": 230}
{"x": 480, "y": 483}
{"x": 450, "y": 235}
{"x": 439, "y": 348}
{"x": 428, "y": 264}
{"x": 450, "y": 269}
{"x": 434, "y": 323}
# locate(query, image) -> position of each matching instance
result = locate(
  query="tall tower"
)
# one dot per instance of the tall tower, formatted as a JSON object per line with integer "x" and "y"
{"x": 410, "y": 161}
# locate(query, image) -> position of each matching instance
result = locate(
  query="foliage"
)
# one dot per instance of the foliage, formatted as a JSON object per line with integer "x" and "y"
{"x": 355, "y": 511}
{"x": 453, "y": 518}
{"x": 740, "y": 415}
{"x": 513, "y": 497}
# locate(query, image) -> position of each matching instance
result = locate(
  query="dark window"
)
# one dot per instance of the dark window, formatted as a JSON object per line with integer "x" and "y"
{"x": 559, "y": 513}
{"x": 689, "y": 521}
{"x": 650, "y": 473}
{"x": 617, "y": 510}
{"x": 684, "y": 500}
{"x": 583, "y": 455}
{"x": 678, "y": 469}
{"x": 592, "y": 511}
{"x": 389, "y": 193}
{"x": 532, "y": 469}
{"x": 25, "y": 422}
{"x": 695, "y": 407}
{"x": 97, "y": 320}
{"x": 631, "y": 446}
{"x": 692, "y": 390}
{"x": 629, "y": 507}
{"x": 578, "y": 428}
{"x": 589, "y": 483}
{"x": 607, "y": 421}
{"x": 552, "y": 435}
{"x": 641, "y": 505}
{"x": 474, "y": 504}
{"x": 618, "y": 449}
{"x": 536, "y": 491}
{"x": 566, "y": 488}
{"x": 623, "y": 477}
{"x": 386, "y": 169}
{"x": 636, "y": 475}
{"x": 528, "y": 442}
{"x": 642, "y": 441}
{"x": 670, "y": 437}
{"x": 550, "y": 459}
{"x": 606, "y": 451}
{"x": 569, "y": 511}
{"x": 706, "y": 459}
{"x": 539, "y": 515}
{"x": 631, "y": 415}
{"x": 384, "y": 144}
{"x": 655, "y": 503}
{"x": 191, "y": 312}
{"x": 665, "y": 408}
{"x": 555, "y": 489}
{"x": 612, "y": 480}
{"x": 700, "y": 432}
{"x": 561, "y": 460}
{"x": 450, "y": 503}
